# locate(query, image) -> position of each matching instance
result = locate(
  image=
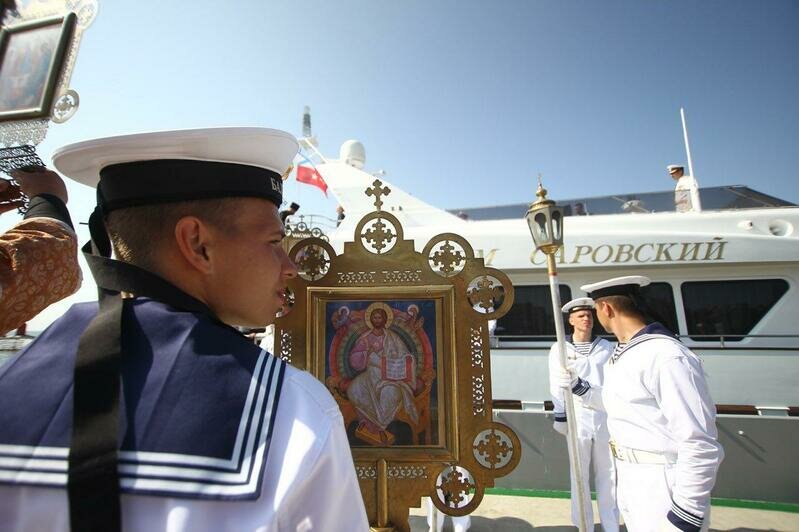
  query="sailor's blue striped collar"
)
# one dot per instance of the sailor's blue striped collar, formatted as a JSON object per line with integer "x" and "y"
{"x": 203, "y": 431}
{"x": 650, "y": 332}
{"x": 170, "y": 474}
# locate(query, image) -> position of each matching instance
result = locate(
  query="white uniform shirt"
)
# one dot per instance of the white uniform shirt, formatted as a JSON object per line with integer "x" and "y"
{"x": 589, "y": 368}
{"x": 686, "y": 195}
{"x": 657, "y": 400}
{"x": 309, "y": 483}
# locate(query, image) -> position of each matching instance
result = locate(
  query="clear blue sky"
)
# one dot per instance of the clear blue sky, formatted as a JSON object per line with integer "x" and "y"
{"x": 462, "y": 103}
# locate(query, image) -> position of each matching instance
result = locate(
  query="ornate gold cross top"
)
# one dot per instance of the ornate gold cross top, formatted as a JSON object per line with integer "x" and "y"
{"x": 377, "y": 191}
{"x": 456, "y": 487}
{"x": 446, "y": 260}
{"x": 493, "y": 449}
{"x": 378, "y": 235}
{"x": 313, "y": 262}
{"x": 485, "y": 294}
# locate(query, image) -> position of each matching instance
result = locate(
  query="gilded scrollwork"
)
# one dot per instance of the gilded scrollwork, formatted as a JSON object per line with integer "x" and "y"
{"x": 366, "y": 472}
{"x": 402, "y": 276}
{"x": 476, "y": 346}
{"x": 286, "y": 345}
{"x": 407, "y": 472}
{"x": 478, "y": 395}
{"x": 354, "y": 278}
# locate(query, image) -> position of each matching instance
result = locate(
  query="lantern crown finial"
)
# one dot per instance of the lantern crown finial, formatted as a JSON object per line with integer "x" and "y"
{"x": 541, "y": 192}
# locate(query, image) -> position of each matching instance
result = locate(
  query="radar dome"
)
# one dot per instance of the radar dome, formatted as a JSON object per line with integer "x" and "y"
{"x": 353, "y": 153}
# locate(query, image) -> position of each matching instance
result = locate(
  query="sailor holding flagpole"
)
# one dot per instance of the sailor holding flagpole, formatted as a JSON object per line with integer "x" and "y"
{"x": 587, "y": 355}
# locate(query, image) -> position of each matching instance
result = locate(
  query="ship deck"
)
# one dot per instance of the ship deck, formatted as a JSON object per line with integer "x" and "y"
{"x": 514, "y": 513}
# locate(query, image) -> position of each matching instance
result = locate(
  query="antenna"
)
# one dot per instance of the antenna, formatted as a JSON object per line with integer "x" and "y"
{"x": 306, "y": 122}
{"x": 696, "y": 203}
{"x": 687, "y": 146}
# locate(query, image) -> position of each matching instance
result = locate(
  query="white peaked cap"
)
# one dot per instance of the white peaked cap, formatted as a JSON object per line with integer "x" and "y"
{"x": 618, "y": 286}
{"x": 581, "y": 303}
{"x": 183, "y": 165}
{"x": 260, "y": 147}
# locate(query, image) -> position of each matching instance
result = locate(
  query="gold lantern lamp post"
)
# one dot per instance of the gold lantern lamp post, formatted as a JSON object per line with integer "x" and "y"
{"x": 546, "y": 226}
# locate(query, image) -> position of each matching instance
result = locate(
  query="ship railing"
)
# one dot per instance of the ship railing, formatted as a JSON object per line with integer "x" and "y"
{"x": 312, "y": 221}
{"x": 721, "y": 341}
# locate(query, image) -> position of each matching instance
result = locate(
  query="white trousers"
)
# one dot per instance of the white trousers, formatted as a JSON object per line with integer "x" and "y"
{"x": 459, "y": 524}
{"x": 596, "y": 451}
{"x": 645, "y": 495}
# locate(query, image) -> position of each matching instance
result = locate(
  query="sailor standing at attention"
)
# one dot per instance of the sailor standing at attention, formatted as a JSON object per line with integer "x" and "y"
{"x": 661, "y": 418}
{"x": 587, "y": 356}
{"x": 148, "y": 410}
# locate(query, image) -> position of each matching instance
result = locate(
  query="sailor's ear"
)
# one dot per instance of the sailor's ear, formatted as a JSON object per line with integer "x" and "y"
{"x": 192, "y": 237}
{"x": 602, "y": 307}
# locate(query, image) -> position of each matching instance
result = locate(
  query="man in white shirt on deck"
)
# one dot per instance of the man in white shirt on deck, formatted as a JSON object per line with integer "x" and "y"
{"x": 661, "y": 418}
{"x": 686, "y": 190}
{"x": 587, "y": 355}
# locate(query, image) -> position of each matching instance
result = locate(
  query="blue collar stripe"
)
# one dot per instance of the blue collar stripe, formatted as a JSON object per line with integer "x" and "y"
{"x": 641, "y": 339}
{"x": 170, "y": 473}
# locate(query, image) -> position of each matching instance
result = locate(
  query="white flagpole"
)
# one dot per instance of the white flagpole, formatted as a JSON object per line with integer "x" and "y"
{"x": 696, "y": 204}
{"x": 575, "y": 463}
{"x": 687, "y": 146}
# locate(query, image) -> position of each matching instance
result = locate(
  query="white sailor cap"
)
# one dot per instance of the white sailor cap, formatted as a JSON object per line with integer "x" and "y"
{"x": 674, "y": 167}
{"x": 618, "y": 286}
{"x": 170, "y": 166}
{"x": 581, "y": 303}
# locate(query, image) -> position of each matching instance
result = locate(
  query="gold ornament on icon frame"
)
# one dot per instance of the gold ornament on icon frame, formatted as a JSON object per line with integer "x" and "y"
{"x": 400, "y": 339}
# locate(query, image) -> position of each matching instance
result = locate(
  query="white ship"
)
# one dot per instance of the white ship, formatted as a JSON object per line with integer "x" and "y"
{"x": 724, "y": 280}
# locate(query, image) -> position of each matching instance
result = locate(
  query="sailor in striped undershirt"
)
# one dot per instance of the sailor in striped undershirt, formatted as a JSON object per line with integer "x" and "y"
{"x": 661, "y": 417}
{"x": 587, "y": 355}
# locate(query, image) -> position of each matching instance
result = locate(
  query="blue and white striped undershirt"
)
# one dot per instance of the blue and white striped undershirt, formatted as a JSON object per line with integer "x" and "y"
{"x": 584, "y": 348}
{"x": 616, "y": 352}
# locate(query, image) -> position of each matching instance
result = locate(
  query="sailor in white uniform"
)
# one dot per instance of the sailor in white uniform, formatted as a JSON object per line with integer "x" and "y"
{"x": 587, "y": 356}
{"x": 660, "y": 415}
{"x": 148, "y": 410}
{"x": 686, "y": 190}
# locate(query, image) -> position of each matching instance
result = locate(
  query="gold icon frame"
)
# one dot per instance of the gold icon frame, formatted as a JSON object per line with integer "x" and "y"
{"x": 380, "y": 265}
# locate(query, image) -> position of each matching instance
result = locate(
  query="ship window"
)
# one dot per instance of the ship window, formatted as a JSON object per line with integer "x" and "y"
{"x": 659, "y": 300}
{"x": 728, "y": 308}
{"x": 530, "y": 317}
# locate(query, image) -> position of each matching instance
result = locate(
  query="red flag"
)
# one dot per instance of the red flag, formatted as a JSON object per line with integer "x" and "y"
{"x": 310, "y": 176}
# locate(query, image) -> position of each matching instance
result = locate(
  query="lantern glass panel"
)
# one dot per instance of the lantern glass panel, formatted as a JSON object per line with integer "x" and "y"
{"x": 541, "y": 227}
{"x": 557, "y": 227}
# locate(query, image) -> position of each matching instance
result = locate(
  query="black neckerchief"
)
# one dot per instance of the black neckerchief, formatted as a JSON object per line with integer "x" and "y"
{"x": 93, "y": 479}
